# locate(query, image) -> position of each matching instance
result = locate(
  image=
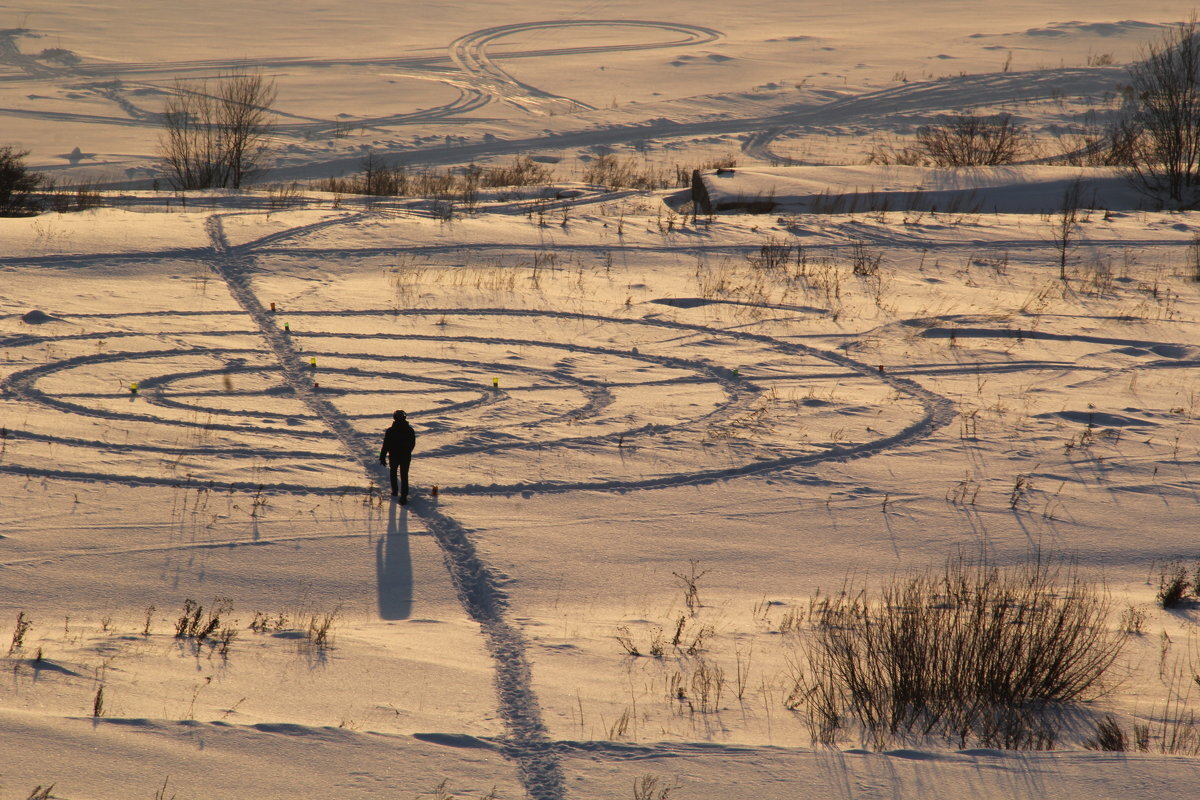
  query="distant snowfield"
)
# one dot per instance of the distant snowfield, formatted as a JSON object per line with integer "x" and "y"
{"x": 608, "y": 393}
{"x": 462, "y": 82}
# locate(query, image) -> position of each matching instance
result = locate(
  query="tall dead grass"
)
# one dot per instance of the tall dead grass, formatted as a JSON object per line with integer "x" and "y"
{"x": 970, "y": 652}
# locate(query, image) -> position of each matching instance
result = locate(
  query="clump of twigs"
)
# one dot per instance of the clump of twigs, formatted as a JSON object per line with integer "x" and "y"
{"x": 969, "y": 652}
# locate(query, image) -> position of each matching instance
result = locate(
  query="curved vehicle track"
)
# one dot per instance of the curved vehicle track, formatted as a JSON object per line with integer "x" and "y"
{"x": 936, "y": 96}
{"x": 469, "y": 67}
{"x": 471, "y": 54}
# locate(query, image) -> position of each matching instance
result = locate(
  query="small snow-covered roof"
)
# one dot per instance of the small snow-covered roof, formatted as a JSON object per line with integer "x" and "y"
{"x": 839, "y": 190}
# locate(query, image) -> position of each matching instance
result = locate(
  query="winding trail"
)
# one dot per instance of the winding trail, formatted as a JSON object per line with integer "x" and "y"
{"x": 526, "y": 742}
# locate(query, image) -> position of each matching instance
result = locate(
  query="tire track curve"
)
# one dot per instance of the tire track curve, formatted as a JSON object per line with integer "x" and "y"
{"x": 470, "y": 54}
{"x": 940, "y": 96}
{"x": 526, "y": 741}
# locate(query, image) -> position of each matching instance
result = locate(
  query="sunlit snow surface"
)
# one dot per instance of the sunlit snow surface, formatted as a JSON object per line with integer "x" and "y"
{"x": 604, "y": 390}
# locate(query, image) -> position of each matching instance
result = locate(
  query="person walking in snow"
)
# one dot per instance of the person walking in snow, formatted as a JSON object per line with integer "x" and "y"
{"x": 396, "y": 453}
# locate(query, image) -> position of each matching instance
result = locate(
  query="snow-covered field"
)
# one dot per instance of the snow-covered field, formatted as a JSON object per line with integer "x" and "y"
{"x": 612, "y": 398}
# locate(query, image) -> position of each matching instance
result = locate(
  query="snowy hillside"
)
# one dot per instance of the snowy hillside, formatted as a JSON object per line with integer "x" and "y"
{"x": 651, "y": 440}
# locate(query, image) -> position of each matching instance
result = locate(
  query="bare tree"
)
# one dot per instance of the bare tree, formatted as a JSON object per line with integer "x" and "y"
{"x": 216, "y": 132}
{"x": 970, "y": 141}
{"x": 246, "y": 117}
{"x": 1065, "y": 225}
{"x": 1162, "y": 117}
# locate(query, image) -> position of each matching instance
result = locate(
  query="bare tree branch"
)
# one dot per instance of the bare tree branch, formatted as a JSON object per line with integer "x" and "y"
{"x": 1162, "y": 118}
{"x": 216, "y": 134}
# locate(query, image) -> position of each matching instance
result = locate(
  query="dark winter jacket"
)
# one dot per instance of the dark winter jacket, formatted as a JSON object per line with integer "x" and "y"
{"x": 399, "y": 440}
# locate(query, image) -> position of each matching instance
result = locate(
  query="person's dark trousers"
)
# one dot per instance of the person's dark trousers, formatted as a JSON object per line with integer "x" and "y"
{"x": 399, "y": 462}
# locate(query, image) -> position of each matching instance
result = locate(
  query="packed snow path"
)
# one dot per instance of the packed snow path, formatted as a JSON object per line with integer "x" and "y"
{"x": 527, "y": 742}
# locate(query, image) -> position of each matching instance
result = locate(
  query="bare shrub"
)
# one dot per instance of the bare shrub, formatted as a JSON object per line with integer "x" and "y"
{"x": 887, "y": 152}
{"x": 689, "y": 583}
{"x": 1095, "y": 147}
{"x": 865, "y": 263}
{"x": 1109, "y": 736}
{"x": 970, "y": 141}
{"x": 98, "y": 702}
{"x": 1133, "y": 621}
{"x": 773, "y": 254}
{"x": 1193, "y": 255}
{"x": 521, "y": 171}
{"x": 284, "y": 195}
{"x": 1162, "y": 117}
{"x": 1173, "y": 585}
{"x": 613, "y": 172}
{"x": 318, "y": 628}
{"x": 379, "y": 178}
{"x": 65, "y": 198}
{"x": 215, "y": 132}
{"x": 969, "y": 652}
{"x": 1065, "y": 225}
{"x": 19, "y": 630}
{"x": 651, "y": 787}
{"x": 193, "y": 623}
{"x": 707, "y": 686}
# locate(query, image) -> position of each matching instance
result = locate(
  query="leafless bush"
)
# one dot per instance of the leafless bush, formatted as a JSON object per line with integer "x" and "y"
{"x": 865, "y": 262}
{"x": 613, "y": 172}
{"x": 318, "y": 628}
{"x": 689, "y": 582}
{"x": 968, "y": 652}
{"x": 1162, "y": 118}
{"x": 970, "y": 141}
{"x": 215, "y": 132}
{"x": 1133, "y": 621}
{"x": 193, "y": 623}
{"x": 1173, "y": 585}
{"x": 377, "y": 177}
{"x": 284, "y": 195}
{"x": 707, "y": 686}
{"x": 65, "y": 198}
{"x": 521, "y": 171}
{"x": 19, "y": 630}
{"x": 888, "y": 152}
{"x": 651, "y": 787}
{"x": 315, "y": 626}
{"x": 1109, "y": 736}
{"x": 1065, "y": 226}
{"x": 1095, "y": 147}
{"x": 773, "y": 254}
{"x": 1193, "y": 255}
